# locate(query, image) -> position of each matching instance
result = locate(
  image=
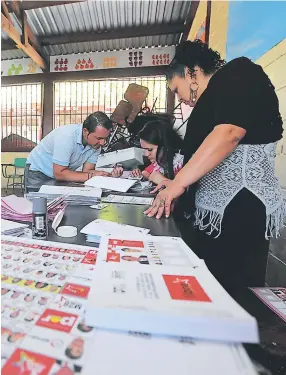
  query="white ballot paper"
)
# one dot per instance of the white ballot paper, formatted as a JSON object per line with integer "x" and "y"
{"x": 128, "y": 199}
{"x": 105, "y": 227}
{"x": 71, "y": 190}
{"x": 12, "y": 228}
{"x": 110, "y": 183}
{"x": 141, "y": 354}
{"x": 134, "y": 293}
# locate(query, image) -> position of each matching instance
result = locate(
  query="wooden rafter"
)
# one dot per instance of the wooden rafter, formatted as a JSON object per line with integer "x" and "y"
{"x": 5, "y": 10}
{"x": 8, "y": 27}
{"x": 25, "y": 32}
{"x": 208, "y": 21}
{"x": 19, "y": 12}
{"x": 190, "y": 18}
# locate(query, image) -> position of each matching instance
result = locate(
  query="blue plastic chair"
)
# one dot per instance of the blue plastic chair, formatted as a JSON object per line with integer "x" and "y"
{"x": 17, "y": 176}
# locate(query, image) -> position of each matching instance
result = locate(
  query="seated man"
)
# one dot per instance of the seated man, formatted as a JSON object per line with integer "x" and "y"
{"x": 67, "y": 148}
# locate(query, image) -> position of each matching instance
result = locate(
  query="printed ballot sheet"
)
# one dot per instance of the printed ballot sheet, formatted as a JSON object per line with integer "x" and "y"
{"x": 148, "y": 250}
{"x": 149, "y": 291}
{"x": 44, "y": 290}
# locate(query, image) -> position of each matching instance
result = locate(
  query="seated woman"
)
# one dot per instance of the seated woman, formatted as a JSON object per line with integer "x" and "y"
{"x": 162, "y": 147}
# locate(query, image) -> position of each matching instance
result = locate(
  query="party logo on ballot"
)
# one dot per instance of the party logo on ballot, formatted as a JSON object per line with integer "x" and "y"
{"x": 185, "y": 288}
{"x": 58, "y": 320}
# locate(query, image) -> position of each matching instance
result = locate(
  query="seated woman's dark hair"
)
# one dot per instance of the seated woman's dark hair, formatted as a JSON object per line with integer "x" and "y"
{"x": 140, "y": 121}
{"x": 160, "y": 132}
{"x": 190, "y": 54}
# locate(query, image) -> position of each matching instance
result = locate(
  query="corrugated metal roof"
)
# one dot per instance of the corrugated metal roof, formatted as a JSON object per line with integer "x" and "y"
{"x": 111, "y": 45}
{"x": 104, "y": 15}
{"x": 12, "y": 54}
{"x": 92, "y": 16}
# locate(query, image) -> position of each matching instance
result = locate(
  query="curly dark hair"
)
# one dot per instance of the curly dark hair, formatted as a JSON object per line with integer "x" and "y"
{"x": 190, "y": 54}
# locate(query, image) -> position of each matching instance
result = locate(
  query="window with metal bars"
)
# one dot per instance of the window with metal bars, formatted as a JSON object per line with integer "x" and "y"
{"x": 21, "y": 116}
{"x": 75, "y": 100}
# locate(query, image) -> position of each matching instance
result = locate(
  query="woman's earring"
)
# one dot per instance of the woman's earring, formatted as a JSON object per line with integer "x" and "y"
{"x": 194, "y": 91}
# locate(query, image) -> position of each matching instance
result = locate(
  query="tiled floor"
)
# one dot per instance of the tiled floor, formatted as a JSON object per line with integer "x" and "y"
{"x": 276, "y": 271}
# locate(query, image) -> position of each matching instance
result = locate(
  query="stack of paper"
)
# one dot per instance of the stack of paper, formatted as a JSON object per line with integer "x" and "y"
{"x": 104, "y": 227}
{"x": 148, "y": 355}
{"x": 20, "y": 209}
{"x": 153, "y": 288}
{"x": 10, "y": 228}
{"x": 111, "y": 183}
{"x": 84, "y": 196}
{"x": 128, "y": 199}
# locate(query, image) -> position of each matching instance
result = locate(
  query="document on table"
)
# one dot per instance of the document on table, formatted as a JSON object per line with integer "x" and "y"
{"x": 71, "y": 190}
{"x": 110, "y": 183}
{"x": 111, "y": 198}
{"x": 137, "y": 293}
{"x": 17, "y": 204}
{"x": 12, "y": 228}
{"x": 147, "y": 355}
{"x": 109, "y": 227}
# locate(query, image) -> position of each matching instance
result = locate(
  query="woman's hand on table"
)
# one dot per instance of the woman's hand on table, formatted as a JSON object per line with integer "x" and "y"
{"x": 164, "y": 201}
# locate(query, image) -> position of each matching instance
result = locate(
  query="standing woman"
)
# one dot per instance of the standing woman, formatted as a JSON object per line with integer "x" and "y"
{"x": 228, "y": 182}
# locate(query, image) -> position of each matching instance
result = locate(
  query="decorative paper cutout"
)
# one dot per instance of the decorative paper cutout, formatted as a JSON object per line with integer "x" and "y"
{"x": 32, "y": 67}
{"x": 15, "y": 70}
{"x": 135, "y": 58}
{"x": 83, "y": 64}
{"x": 110, "y": 62}
{"x": 162, "y": 59}
{"x": 61, "y": 65}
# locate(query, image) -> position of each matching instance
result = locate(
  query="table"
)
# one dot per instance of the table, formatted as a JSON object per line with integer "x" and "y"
{"x": 80, "y": 216}
{"x": 270, "y": 353}
{"x": 142, "y": 193}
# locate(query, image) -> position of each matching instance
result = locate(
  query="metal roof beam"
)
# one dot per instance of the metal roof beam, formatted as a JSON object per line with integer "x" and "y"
{"x": 27, "y": 5}
{"x": 7, "y": 44}
{"x": 124, "y": 32}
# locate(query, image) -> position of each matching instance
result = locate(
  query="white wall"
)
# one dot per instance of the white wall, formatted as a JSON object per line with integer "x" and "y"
{"x": 274, "y": 64}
